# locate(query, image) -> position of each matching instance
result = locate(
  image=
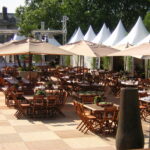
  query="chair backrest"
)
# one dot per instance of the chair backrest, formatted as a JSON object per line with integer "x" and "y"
{"x": 87, "y": 99}
{"x": 75, "y": 103}
{"x": 38, "y": 99}
{"x": 51, "y": 100}
{"x": 110, "y": 113}
{"x": 62, "y": 97}
{"x": 79, "y": 110}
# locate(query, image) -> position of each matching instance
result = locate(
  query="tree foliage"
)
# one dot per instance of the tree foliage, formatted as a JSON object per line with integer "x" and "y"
{"x": 81, "y": 13}
{"x": 147, "y": 21}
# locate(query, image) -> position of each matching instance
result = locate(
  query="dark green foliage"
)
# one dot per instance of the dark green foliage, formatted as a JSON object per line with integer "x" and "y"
{"x": 81, "y": 13}
{"x": 97, "y": 99}
{"x": 40, "y": 92}
{"x": 147, "y": 21}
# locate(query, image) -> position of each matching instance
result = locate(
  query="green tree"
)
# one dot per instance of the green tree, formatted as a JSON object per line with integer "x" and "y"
{"x": 81, "y": 13}
{"x": 147, "y": 21}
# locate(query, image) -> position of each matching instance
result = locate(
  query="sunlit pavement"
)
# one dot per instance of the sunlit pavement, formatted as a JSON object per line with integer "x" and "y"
{"x": 58, "y": 133}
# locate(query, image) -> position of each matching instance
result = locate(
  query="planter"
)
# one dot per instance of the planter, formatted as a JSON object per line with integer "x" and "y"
{"x": 30, "y": 75}
{"x": 129, "y": 132}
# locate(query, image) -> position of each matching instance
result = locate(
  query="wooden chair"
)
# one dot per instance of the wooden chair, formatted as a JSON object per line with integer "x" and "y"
{"x": 143, "y": 106}
{"x": 22, "y": 106}
{"x": 109, "y": 120}
{"x": 9, "y": 101}
{"x": 51, "y": 104}
{"x": 62, "y": 98}
{"x": 38, "y": 105}
{"x": 88, "y": 122}
{"x": 144, "y": 110}
{"x": 87, "y": 99}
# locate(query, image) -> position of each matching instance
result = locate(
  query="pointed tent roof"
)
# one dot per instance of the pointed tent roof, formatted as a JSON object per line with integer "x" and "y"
{"x": 145, "y": 40}
{"x": 53, "y": 41}
{"x": 118, "y": 34}
{"x": 90, "y": 35}
{"x": 72, "y": 35}
{"x": 77, "y": 37}
{"x": 137, "y": 33}
{"x": 103, "y": 34}
{"x": 18, "y": 37}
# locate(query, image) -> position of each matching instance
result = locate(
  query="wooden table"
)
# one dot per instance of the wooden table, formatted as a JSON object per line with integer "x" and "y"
{"x": 145, "y": 99}
{"x": 88, "y": 96}
{"x": 11, "y": 80}
{"x": 129, "y": 83}
{"x": 94, "y": 107}
{"x": 145, "y": 111}
{"x": 55, "y": 108}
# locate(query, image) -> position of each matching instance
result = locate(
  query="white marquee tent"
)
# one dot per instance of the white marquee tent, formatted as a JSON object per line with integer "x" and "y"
{"x": 18, "y": 37}
{"x": 103, "y": 34}
{"x": 72, "y": 36}
{"x": 89, "y": 36}
{"x": 77, "y": 37}
{"x": 137, "y": 33}
{"x": 145, "y": 40}
{"x": 117, "y": 35}
{"x": 53, "y": 41}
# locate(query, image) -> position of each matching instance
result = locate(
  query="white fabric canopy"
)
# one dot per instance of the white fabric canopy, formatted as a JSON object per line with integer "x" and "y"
{"x": 18, "y": 37}
{"x": 77, "y": 37}
{"x": 103, "y": 34}
{"x": 137, "y": 33}
{"x": 90, "y": 35}
{"x": 53, "y": 41}
{"x": 145, "y": 40}
{"x": 118, "y": 34}
{"x": 72, "y": 35}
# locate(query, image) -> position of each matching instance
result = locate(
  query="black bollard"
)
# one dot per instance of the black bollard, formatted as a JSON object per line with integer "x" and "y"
{"x": 129, "y": 132}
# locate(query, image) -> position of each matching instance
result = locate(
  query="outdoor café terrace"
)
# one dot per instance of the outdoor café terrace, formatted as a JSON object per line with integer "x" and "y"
{"x": 65, "y": 107}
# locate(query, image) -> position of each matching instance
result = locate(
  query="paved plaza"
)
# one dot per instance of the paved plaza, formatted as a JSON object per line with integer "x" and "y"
{"x": 58, "y": 133}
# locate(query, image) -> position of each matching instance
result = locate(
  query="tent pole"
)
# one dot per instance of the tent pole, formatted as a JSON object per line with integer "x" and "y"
{"x": 132, "y": 71}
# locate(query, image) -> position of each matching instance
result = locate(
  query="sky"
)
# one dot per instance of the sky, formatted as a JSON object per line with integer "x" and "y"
{"x": 11, "y": 5}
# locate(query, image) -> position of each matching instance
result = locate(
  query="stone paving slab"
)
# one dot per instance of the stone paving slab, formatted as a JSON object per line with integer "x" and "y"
{"x": 55, "y": 134}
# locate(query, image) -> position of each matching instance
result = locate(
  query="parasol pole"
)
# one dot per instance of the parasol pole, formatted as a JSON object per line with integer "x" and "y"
{"x": 149, "y": 134}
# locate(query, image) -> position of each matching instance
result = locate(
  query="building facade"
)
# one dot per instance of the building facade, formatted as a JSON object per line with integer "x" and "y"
{"x": 7, "y": 21}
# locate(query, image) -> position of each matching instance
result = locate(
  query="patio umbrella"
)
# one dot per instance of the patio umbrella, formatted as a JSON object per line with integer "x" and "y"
{"x": 85, "y": 48}
{"x": 139, "y": 51}
{"x": 31, "y": 46}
